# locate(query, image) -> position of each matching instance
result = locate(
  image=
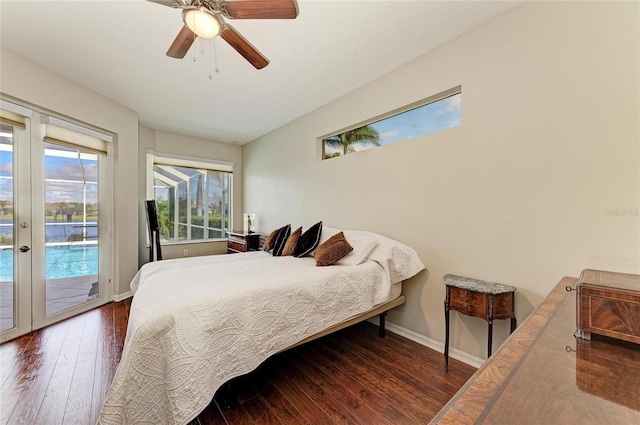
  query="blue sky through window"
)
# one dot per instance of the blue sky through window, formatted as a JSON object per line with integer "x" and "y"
{"x": 65, "y": 173}
{"x": 58, "y": 168}
{"x": 433, "y": 117}
{"x": 427, "y": 119}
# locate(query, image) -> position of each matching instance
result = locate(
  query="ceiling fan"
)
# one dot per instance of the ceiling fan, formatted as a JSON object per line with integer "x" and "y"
{"x": 205, "y": 18}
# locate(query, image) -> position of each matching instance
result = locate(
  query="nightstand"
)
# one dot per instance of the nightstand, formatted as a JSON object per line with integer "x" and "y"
{"x": 242, "y": 242}
{"x": 477, "y": 298}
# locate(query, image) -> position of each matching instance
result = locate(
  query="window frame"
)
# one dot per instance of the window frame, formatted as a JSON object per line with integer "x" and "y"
{"x": 417, "y": 104}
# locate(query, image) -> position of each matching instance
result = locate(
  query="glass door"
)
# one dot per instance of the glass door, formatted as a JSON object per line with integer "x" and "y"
{"x": 15, "y": 234}
{"x": 70, "y": 235}
{"x": 70, "y": 227}
{"x": 54, "y": 227}
{"x": 7, "y": 237}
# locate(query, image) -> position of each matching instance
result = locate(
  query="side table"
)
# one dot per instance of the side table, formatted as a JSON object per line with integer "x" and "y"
{"x": 242, "y": 242}
{"x": 478, "y": 298}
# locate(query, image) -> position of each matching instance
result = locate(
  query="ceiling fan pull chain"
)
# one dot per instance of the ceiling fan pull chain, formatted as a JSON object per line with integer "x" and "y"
{"x": 215, "y": 56}
{"x": 210, "y": 59}
{"x": 194, "y": 40}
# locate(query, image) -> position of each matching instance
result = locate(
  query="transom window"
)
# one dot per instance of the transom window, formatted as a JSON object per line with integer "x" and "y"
{"x": 192, "y": 198}
{"x": 436, "y": 113}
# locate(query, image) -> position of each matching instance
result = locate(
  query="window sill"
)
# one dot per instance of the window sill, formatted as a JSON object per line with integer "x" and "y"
{"x": 185, "y": 242}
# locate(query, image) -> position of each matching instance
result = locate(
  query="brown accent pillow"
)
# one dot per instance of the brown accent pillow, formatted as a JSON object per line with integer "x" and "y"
{"x": 332, "y": 250}
{"x": 292, "y": 242}
{"x": 268, "y": 243}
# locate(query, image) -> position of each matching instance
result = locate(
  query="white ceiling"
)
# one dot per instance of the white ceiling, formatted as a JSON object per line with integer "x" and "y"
{"x": 117, "y": 48}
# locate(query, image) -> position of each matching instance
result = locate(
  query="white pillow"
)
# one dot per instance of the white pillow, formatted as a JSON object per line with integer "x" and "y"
{"x": 363, "y": 245}
{"x": 399, "y": 261}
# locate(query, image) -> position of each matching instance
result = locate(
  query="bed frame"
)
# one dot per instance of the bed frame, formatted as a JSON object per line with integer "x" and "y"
{"x": 381, "y": 310}
{"x": 229, "y": 397}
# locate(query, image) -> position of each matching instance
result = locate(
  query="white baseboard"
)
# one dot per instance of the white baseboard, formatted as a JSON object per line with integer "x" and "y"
{"x": 122, "y": 297}
{"x": 431, "y": 343}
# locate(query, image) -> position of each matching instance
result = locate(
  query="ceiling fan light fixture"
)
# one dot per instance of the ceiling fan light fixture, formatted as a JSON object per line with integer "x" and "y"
{"x": 201, "y": 21}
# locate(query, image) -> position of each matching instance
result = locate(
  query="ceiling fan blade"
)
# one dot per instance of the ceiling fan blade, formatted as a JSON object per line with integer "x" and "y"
{"x": 182, "y": 43}
{"x": 261, "y": 9}
{"x": 243, "y": 47}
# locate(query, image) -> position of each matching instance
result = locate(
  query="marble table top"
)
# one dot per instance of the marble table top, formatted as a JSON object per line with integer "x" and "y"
{"x": 477, "y": 285}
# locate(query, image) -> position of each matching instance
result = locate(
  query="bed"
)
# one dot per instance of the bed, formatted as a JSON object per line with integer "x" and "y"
{"x": 196, "y": 323}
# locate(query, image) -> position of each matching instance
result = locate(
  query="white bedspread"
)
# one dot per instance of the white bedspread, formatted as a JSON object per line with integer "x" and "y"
{"x": 195, "y": 323}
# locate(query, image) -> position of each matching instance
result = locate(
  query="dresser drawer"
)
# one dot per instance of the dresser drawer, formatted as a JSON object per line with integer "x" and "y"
{"x": 468, "y": 302}
{"x": 234, "y": 245}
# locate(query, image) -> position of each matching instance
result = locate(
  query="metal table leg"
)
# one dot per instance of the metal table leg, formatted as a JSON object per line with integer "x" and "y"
{"x": 446, "y": 333}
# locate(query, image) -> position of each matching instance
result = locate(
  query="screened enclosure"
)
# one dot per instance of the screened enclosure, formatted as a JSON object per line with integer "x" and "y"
{"x": 192, "y": 203}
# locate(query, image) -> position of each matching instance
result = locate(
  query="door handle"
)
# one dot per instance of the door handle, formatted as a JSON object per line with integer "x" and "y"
{"x": 24, "y": 248}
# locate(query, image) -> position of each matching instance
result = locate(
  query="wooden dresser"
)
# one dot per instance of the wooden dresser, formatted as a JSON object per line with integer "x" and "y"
{"x": 543, "y": 374}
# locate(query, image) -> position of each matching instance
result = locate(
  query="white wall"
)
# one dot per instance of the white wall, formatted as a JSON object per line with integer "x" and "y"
{"x": 169, "y": 143}
{"x": 29, "y": 82}
{"x": 541, "y": 181}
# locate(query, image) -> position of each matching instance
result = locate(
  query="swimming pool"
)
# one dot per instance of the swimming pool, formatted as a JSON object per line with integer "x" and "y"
{"x": 61, "y": 262}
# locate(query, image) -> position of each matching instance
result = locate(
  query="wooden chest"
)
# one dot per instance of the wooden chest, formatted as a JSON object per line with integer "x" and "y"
{"x": 608, "y": 304}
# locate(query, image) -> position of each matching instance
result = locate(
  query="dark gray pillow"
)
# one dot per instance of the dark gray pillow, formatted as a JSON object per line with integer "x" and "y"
{"x": 278, "y": 245}
{"x": 308, "y": 241}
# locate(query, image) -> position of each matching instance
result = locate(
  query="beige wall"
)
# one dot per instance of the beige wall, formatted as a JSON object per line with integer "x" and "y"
{"x": 29, "y": 82}
{"x": 541, "y": 181}
{"x": 168, "y": 143}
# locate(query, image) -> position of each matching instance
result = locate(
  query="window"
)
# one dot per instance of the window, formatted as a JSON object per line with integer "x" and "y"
{"x": 436, "y": 113}
{"x": 192, "y": 197}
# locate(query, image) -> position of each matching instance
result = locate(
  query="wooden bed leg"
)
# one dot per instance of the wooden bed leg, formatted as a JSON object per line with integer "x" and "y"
{"x": 229, "y": 399}
{"x": 381, "y": 330}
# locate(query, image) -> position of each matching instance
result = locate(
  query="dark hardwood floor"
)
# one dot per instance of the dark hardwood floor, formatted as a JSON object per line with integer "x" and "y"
{"x": 61, "y": 374}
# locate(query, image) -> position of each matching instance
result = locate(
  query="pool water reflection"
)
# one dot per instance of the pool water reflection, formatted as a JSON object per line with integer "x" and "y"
{"x": 71, "y": 273}
{"x": 60, "y": 261}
